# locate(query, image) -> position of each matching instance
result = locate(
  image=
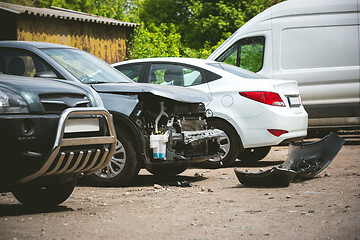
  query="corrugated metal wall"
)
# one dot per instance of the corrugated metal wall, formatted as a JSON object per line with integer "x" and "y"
{"x": 104, "y": 41}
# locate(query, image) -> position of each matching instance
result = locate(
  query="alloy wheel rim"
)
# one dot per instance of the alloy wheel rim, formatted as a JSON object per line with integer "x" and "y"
{"x": 224, "y": 145}
{"x": 116, "y": 164}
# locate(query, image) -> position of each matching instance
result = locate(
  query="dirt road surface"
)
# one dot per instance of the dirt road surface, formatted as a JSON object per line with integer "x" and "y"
{"x": 217, "y": 206}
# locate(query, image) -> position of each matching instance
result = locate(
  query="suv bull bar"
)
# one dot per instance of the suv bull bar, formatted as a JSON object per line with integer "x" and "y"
{"x": 87, "y": 166}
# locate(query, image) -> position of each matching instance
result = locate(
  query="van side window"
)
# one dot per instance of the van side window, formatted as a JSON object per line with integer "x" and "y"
{"x": 247, "y": 53}
{"x": 230, "y": 56}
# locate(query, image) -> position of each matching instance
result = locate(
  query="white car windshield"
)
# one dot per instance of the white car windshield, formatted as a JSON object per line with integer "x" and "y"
{"x": 86, "y": 67}
{"x": 236, "y": 70}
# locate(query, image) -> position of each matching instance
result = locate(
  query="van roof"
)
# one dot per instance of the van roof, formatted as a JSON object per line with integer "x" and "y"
{"x": 303, "y": 7}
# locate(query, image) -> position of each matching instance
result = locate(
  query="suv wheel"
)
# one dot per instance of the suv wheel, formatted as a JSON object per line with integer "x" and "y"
{"x": 43, "y": 194}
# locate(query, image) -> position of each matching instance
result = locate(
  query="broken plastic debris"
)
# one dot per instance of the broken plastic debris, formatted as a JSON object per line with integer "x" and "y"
{"x": 183, "y": 183}
{"x": 275, "y": 177}
{"x": 309, "y": 159}
{"x": 305, "y": 160}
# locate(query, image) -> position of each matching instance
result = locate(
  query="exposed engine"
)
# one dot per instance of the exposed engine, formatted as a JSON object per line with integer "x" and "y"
{"x": 176, "y": 130}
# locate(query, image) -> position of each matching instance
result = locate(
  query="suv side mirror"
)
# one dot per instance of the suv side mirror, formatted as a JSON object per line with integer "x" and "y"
{"x": 46, "y": 75}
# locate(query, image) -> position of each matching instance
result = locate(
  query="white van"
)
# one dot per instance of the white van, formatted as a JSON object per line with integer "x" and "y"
{"x": 315, "y": 42}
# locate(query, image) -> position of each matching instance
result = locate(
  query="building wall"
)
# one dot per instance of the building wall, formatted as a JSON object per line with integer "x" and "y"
{"x": 7, "y": 26}
{"x": 104, "y": 41}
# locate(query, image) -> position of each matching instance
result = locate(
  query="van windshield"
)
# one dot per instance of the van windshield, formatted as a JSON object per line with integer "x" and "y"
{"x": 236, "y": 70}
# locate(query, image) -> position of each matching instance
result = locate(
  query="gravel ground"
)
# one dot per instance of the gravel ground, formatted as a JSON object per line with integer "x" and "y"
{"x": 216, "y": 206}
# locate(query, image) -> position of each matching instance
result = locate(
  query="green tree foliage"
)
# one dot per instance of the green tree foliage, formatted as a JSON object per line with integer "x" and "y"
{"x": 22, "y": 2}
{"x": 212, "y": 21}
{"x": 202, "y": 23}
{"x": 153, "y": 41}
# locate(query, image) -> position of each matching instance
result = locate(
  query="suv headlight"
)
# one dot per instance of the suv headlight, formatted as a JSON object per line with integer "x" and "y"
{"x": 11, "y": 102}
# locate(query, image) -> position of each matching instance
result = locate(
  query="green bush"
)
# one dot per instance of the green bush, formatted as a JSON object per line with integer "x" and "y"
{"x": 153, "y": 41}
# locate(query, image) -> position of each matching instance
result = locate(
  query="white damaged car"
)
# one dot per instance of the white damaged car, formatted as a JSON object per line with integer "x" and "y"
{"x": 254, "y": 112}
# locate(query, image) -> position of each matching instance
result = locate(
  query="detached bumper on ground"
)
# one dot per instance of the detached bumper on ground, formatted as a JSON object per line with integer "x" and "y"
{"x": 305, "y": 160}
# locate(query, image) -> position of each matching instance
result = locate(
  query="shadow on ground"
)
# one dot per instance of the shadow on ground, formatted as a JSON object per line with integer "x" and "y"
{"x": 18, "y": 209}
{"x": 146, "y": 180}
{"x": 149, "y": 180}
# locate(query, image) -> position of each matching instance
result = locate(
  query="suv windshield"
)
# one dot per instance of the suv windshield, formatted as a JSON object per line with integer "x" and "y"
{"x": 86, "y": 67}
{"x": 236, "y": 70}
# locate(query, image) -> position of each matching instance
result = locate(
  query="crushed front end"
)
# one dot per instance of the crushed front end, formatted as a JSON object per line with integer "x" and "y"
{"x": 175, "y": 132}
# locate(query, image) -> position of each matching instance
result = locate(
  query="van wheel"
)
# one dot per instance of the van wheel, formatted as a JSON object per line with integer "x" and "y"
{"x": 44, "y": 194}
{"x": 230, "y": 144}
{"x": 254, "y": 154}
{"x": 123, "y": 166}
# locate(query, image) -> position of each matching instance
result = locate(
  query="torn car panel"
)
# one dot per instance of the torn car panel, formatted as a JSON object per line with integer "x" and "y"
{"x": 305, "y": 161}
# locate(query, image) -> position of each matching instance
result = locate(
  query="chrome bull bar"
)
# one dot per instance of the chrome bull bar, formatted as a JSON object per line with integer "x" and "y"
{"x": 82, "y": 162}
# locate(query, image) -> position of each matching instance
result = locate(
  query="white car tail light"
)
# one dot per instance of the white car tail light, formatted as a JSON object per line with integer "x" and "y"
{"x": 269, "y": 98}
{"x": 277, "y": 132}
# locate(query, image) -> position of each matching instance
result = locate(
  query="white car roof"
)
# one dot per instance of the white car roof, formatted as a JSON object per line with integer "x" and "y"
{"x": 192, "y": 61}
{"x": 201, "y": 63}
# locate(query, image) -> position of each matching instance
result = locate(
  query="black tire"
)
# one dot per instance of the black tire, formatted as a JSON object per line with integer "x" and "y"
{"x": 44, "y": 194}
{"x": 167, "y": 170}
{"x": 123, "y": 166}
{"x": 254, "y": 154}
{"x": 230, "y": 144}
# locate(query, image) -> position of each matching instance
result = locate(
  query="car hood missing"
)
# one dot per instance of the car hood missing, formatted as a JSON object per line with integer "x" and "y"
{"x": 176, "y": 93}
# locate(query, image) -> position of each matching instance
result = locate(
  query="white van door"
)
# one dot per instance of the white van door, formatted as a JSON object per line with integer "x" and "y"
{"x": 321, "y": 52}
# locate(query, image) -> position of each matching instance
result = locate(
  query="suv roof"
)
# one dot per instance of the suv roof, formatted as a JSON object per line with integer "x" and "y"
{"x": 31, "y": 43}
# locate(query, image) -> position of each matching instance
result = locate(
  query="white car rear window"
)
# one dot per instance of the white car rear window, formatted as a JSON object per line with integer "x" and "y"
{"x": 236, "y": 70}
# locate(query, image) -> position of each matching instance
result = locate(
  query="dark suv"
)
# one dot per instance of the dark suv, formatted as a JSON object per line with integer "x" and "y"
{"x": 161, "y": 128}
{"x": 50, "y": 135}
